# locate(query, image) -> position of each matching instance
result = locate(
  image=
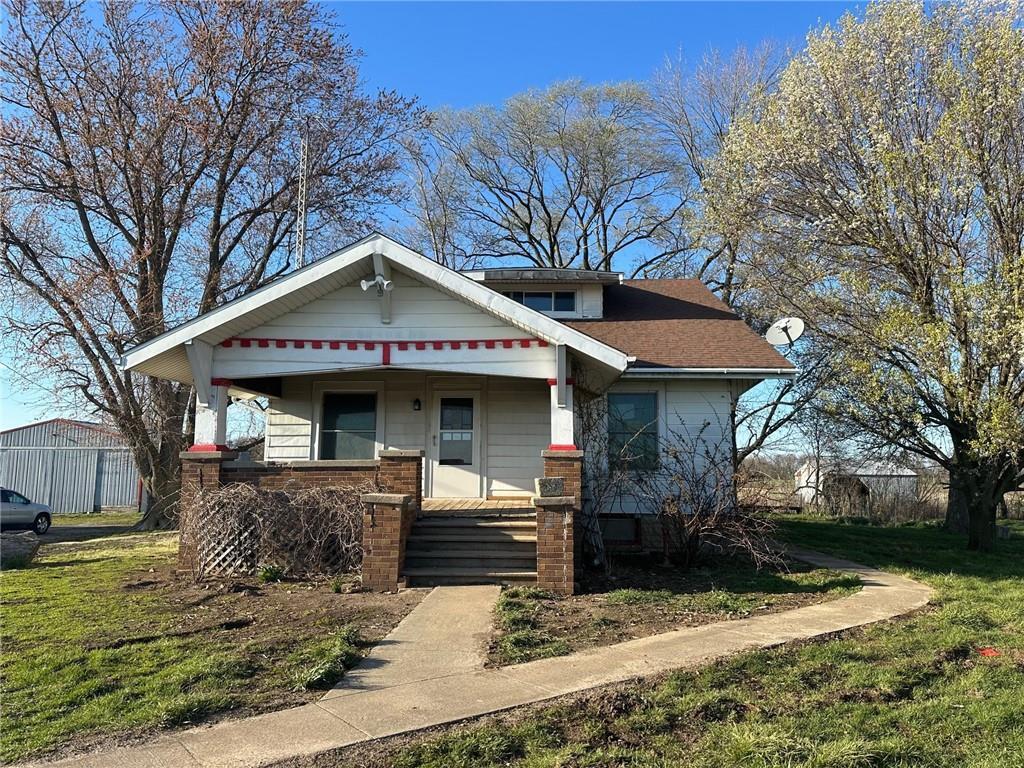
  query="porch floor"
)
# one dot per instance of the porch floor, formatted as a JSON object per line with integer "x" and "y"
{"x": 434, "y": 507}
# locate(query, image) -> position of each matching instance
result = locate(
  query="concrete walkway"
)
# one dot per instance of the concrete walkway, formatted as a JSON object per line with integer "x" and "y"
{"x": 377, "y": 703}
{"x": 423, "y": 648}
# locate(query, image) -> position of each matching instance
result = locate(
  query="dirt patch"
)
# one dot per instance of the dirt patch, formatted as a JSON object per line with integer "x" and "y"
{"x": 639, "y": 597}
{"x": 186, "y": 653}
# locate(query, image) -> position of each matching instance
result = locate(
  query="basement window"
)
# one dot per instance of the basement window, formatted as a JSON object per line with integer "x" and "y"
{"x": 349, "y": 426}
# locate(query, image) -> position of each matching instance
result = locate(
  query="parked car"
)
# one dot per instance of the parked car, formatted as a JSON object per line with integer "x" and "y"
{"x": 18, "y": 512}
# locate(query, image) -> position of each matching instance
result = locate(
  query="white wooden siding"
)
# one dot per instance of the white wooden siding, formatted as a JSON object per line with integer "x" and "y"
{"x": 288, "y": 436}
{"x": 518, "y": 429}
{"x": 684, "y": 408}
{"x": 418, "y": 313}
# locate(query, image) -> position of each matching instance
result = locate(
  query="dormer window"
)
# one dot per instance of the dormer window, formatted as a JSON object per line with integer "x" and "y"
{"x": 545, "y": 301}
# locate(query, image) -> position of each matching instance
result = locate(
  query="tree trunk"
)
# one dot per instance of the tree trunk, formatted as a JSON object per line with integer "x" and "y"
{"x": 979, "y": 488}
{"x": 982, "y": 533}
{"x": 957, "y": 505}
{"x": 164, "y": 488}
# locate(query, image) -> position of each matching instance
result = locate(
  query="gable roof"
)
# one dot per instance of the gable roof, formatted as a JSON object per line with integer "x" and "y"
{"x": 164, "y": 355}
{"x": 679, "y": 324}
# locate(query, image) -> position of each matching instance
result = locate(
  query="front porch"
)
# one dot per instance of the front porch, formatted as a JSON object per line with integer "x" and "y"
{"x": 409, "y": 540}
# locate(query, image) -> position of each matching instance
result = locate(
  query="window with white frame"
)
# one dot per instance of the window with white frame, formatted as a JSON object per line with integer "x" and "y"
{"x": 544, "y": 301}
{"x": 633, "y": 430}
{"x": 348, "y": 425}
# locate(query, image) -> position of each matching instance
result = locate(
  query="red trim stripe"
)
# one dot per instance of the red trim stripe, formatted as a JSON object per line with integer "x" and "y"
{"x": 562, "y": 447}
{"x": 370, "y": 344}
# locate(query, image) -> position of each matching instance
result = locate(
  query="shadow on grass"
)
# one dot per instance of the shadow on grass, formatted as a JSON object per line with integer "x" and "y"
{"x": 927, "y": 549}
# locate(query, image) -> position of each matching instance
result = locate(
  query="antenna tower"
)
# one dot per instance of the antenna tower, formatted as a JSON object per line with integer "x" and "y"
{"x": 300, "y": 224}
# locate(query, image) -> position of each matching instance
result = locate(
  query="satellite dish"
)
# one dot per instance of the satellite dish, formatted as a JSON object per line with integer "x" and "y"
{"x": 785, "y": 331}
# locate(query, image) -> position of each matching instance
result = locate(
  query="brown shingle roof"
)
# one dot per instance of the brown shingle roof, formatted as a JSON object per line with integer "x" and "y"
{"x": 677, "y": 324}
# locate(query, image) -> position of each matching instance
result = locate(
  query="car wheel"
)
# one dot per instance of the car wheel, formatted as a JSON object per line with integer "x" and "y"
{"x": 41, "y": 524}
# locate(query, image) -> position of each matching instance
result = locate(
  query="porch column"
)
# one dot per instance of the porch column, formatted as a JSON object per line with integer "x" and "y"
{"x": 562, "y": 424}
{"x": 212, "y": 416}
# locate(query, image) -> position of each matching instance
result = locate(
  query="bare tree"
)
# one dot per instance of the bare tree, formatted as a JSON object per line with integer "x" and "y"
{"x": 572, "y": 176}
{"x": 694, "y": 113}
{"x": 148, "y": 160}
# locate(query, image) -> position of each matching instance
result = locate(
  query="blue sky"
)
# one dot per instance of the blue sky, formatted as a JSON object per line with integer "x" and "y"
{"x": 462, "y": 54}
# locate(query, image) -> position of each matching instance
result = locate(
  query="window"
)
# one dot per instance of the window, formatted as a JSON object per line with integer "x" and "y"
{"x": 348, "y": 427}
{"x": 617, "y": 529}
{"x": 456, "y": 444}
{"x": 545, "y": 301}
{"x": 633, "y": 430}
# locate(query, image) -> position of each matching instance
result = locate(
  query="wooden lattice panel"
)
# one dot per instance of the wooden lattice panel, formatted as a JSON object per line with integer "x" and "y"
{"x": 239, "y": 529}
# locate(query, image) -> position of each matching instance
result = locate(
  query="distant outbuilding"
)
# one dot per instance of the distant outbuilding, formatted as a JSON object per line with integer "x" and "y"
{"x": 857, "y": 482}
{"x": 73, "y": 466}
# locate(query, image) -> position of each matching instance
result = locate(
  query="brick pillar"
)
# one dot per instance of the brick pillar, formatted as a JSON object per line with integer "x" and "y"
{"x": 402, "y": 472}
{"x": 556, "y": 571}
{"x": 569, "y": 466}
{"x": 200, "y": 470}
{"x": 386, "y": 523}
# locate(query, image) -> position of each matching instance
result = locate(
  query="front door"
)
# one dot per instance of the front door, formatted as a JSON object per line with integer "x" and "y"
{"x": 455, "y": 445}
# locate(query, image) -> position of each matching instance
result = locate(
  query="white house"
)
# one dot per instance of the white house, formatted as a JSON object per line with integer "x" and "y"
{"x": 376, "y": 349}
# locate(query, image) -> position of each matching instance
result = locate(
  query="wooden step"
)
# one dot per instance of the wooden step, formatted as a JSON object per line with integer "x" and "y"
{"x": 493, "y": 537}
{"x": 459, "y": 545}
{"x": 424, "y": 523}
{"x": 432, "y": 577}
{"x": 479, "y": 563}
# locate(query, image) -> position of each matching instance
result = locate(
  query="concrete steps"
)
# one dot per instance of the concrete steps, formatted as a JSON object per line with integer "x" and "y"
{"x": 477, "y": 549}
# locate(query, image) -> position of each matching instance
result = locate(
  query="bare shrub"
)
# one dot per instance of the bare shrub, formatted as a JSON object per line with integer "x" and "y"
{"x": 298, "y": 532}
{"x": 696, "y": 501}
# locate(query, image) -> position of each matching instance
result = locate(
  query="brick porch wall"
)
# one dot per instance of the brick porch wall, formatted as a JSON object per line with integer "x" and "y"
{"x": 311, "y": 474}
{"x": 556, "y": 555}
{"x": 402, "y": 472}
{"x": 396, "y": 472}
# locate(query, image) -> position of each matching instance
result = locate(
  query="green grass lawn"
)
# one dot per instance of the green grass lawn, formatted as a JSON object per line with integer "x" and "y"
{"x": 914, "y": 692}
{"x": 107, "y": 517}
{"x": 103, "y": 641}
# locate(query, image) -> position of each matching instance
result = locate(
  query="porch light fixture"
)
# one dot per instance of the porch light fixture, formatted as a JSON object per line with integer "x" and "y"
{"x": 416, "y": 404}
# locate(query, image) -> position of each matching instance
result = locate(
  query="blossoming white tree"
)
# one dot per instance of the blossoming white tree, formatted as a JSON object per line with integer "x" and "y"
{"x": 889, "y": 172}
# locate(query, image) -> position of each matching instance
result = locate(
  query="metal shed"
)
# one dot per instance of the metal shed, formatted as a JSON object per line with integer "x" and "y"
{"x": 74, "y": 466}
